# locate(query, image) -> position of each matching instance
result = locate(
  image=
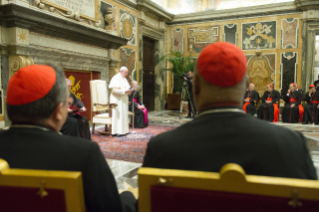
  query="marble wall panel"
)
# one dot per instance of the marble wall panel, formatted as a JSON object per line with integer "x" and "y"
{"x": 128, "y": 27}
{"x": 259, "y": 35}
{"x": 261, "y": 71}
{"x": 289, "y": 33}
{"x": 231, "y": 33}
{"x": 200, "y": 37}
{"x": 178, "y": 39}
{"x": 128, "y": 59}
{"x": 288, "y": 66}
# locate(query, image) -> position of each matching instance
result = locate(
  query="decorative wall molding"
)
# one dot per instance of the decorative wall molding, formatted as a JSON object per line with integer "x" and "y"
{"x": 307, "y": 4}
{"x": 43, "y": 4}
{"x": 48, "y": 23}
{"x": 237, "y": 13}
{"x": 150, "y": 31}
{"x": 151, "y": 7}
{"x": 18, "y": 61}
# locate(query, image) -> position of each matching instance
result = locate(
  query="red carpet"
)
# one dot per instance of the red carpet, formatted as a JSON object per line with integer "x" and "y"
{"x": 131, "y": 147}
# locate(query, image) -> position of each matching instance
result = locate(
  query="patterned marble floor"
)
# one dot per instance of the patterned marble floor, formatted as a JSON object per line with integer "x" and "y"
{"x": 126, "y": 172}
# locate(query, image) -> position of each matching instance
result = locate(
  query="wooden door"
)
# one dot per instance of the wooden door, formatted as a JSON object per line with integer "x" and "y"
{"x": 148, "y": 73}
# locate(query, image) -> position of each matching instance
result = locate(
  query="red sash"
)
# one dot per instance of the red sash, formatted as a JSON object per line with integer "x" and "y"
{"x": 276, "y": 110}
{"x": 314, "y": 102}
{"x": 301, "y": 111}
{"x": 245, "y": 105}
{"x": 292, "y": 100}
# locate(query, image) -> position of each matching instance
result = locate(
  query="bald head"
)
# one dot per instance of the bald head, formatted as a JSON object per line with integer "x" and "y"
{"x": 251, "y": 87}
{"x": 206, "y": 94}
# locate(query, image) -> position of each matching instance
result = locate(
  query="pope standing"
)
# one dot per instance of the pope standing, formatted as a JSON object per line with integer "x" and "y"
{"x": 119, "y": 95}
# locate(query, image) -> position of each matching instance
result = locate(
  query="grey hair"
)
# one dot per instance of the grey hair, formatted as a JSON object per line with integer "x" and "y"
{"x": 68, "y": 80}
{"x": 123, "y": 68}
{"x": 252, "y": 84}
{"x": 39, "y": 111}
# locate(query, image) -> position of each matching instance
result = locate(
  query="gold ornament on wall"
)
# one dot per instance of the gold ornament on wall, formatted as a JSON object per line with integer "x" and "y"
{"x": 17, "y": 62}
{"x": 109, "y": 18}
{"x": 127, "y": 28}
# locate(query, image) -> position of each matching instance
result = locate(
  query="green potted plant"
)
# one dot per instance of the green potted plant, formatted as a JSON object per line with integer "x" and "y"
{"x": 181, "y": 64}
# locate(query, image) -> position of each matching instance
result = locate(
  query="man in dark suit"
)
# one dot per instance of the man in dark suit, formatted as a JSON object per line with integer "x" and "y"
{"x": 316, "y": 83}
{"x": 191, "y": 105}
{"x": 37, "y": 106}
{"x": 222, "y": 133}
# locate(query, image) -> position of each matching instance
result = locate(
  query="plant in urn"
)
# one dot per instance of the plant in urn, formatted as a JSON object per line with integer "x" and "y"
{"x": 109, "y": 18}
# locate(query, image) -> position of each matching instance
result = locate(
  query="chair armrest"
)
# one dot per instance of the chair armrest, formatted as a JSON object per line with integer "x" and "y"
{"x": 105, "y": 105}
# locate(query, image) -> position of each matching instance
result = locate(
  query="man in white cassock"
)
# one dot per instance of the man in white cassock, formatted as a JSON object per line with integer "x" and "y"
{"x": 119, "y": 95}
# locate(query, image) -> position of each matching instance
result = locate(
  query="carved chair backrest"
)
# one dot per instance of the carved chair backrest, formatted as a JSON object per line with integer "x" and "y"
{"x": 99, "y": 94}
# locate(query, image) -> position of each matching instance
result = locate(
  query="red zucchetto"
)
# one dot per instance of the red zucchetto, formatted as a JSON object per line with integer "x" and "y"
{"x": 271, "y": 85}
{"x": 311, "y": 86}
{"x": 30, "y": 84}
{"x": 222, "y": 64}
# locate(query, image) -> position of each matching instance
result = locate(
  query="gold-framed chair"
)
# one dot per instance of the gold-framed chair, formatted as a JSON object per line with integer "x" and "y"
{"x": 230, "y": 190}
{"x": 40, "y": 190}
{"x": 100, "y": 103}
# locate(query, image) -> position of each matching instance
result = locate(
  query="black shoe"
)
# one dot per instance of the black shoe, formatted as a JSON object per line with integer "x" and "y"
{"x": 305, "y": 122}
{"x": 188, "y": 117}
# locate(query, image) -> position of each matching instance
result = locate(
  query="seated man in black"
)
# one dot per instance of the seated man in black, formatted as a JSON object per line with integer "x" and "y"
{"x": 222, "y": 133}
{"x": 268, "y": 109}
{"x": 249, "y": 102}
{"x": 37, "y": 98}
{"x": 291, "y": 109}
{"x": 141, "y": 117}
{"x": 75, "y": 124}
{"x": 311, "y": 108}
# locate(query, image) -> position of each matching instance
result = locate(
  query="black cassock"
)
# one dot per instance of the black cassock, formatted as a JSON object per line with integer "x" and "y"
{"x": 311, "y": 110}
{"x": 75, "y": 124}
{"x": 316, "y": 83}
{"x": 250, "y": 107}
{"x": 266, "y": 111}
{"x": 139, "y": 119}
{"x": 40, "y": 148}
{"x": 291, "y": 115}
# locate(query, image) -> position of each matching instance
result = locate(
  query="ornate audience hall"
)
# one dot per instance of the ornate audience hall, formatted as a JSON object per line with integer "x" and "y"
{"x": 92, "y": 39}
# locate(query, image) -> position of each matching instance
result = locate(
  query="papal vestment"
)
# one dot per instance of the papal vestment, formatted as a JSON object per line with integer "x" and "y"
{"x": 119, "y": 85}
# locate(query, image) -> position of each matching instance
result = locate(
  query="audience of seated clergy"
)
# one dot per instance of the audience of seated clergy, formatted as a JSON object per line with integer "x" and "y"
{"x": 37, "y": 98}
{"x": 222, "y": 133}
{"x": 301, "y": 109}
{"x": 141, "y": 118}
{"x": 250, "y": 97}
{"x": 291, "y": 109}
{"x": 75, "y": 124}
{"x": 268, "y": 109}
{"x": 311, "y": 108}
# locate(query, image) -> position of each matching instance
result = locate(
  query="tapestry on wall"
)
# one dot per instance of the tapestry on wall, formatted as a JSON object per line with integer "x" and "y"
{"x": 259, "y": 35}
{"x": 289, "y": 33}
{"x": 288, "y": 69}
{"x": 81, "y": 88}
{"x": 128, "y": 27}
{"x": 178, "y": 40}
{"x": 261, "y": 71}
{"x": 200, "y": 37}
{"x": 230, "y": 33}
{"x": 128, "y": 59}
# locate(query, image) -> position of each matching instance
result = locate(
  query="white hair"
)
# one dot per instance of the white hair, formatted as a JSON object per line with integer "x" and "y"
{"x": 123, "y": 68}
{"x": 252, "y": 84}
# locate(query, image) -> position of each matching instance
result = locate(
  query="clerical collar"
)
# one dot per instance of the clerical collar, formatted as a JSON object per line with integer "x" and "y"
{"x": 32, "y": 126}
{"x": 221, "y": 108}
